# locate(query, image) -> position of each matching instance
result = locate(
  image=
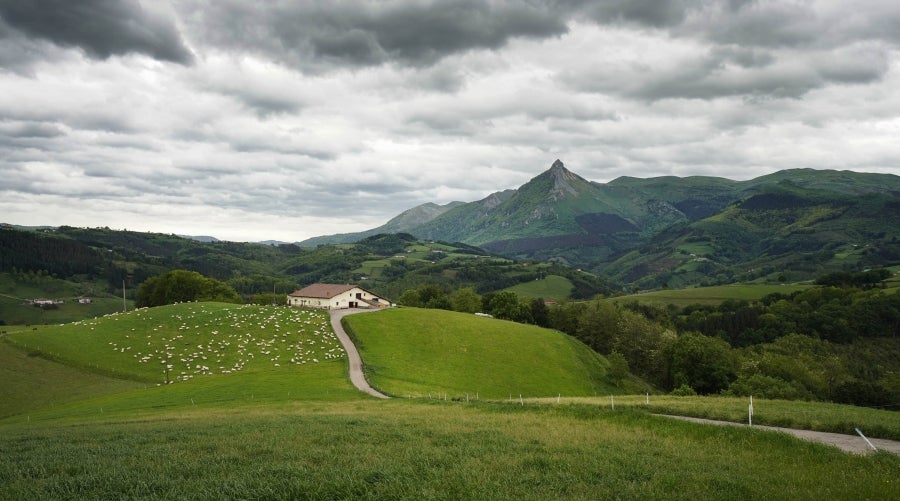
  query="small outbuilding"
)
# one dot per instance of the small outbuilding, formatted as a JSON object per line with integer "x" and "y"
{"x": 336, "y": 297}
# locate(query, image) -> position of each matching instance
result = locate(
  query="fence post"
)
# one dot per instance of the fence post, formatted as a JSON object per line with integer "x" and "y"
{"x": 866, "y": 439}
{"x": 750, "y": 412}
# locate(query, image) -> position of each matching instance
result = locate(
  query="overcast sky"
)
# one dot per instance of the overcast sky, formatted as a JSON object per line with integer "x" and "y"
{"x": 291, "y": 119}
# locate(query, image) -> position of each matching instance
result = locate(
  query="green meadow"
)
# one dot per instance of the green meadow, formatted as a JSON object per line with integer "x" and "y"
{"x": 181, "y": 342}
{"x": 817, "y": 416}
{"x": 709, "y": 295}
{"x": 552, "y": 287}
{"x": 419, "y": 352}
{"x": 273, "y": 416}
{"x": 16, "y": 295}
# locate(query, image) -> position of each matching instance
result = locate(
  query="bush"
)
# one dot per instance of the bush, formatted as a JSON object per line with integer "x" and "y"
{"x": 683, "y": 391}
{"x": 760, "y": 385}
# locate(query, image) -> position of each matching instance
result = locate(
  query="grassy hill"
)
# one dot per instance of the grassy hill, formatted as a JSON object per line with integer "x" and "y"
{"x": 185, "y": 341}
{"x": 256, "y": 424}
{"x": 417, "y": 352}
{"x": 552, "y": 287}
{"x": 31, "y": 382}
{"x": 707, "y": 295}
{"x": 16, "y": 295}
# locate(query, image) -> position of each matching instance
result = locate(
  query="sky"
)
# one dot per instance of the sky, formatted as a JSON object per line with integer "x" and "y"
{"x": 284, "y": 120}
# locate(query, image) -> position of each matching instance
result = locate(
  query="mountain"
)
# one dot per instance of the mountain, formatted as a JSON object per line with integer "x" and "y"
{"x": 200, "y": 238}
{"x": 406, "y": 221}
{"x": 671, "y": 230}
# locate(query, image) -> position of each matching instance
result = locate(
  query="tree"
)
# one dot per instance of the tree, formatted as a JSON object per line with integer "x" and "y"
{"x": 506, "y": 305}
{"x": 539, "y": 313}
{"x": 426, "y": 296}
{"x": 466, "y": 300}
{"x": 643, "y": 343}
{"x": 180, "y": 286}
{"x": 703, "y": 363}
{"x": 618, "y": 367}
{"x": 598, "y": 326}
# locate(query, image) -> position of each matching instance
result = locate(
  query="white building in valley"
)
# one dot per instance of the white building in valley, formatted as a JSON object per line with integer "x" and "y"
{"x": 335, "y": 297}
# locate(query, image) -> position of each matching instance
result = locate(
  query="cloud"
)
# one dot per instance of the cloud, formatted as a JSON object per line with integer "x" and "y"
{"x": 734, "y": 71}
{"x": 288, "y": 110}
{"x": 317, "y": 36}
{"x": 102, "y": 28}
{"x": 640, "y": 12}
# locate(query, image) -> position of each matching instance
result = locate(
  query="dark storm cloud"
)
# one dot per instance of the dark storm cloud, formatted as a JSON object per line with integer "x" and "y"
{"x": 102, "y": 28}
{"x": 769, "y": 23}
{"x": 641, "y": 12}
{"x": 365, "y": 34}
{"x": 20, "y": 130}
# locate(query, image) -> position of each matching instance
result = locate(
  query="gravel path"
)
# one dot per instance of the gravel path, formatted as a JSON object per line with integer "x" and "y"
{"x": 356, "y": 372}
{"x": 847, "y": 443}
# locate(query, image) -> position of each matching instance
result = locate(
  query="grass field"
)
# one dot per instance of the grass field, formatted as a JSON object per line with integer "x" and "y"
{"x": 708, "y": 295}
{"x": 551, "y": 287}
{"x": 412, "y": 351}
{"x": 819, "y": 416}
{"x": 274, "y": 430}
{"x": 16, "y": 296}
{"x": 31, "y": 382}
{"x": 412, "y": 450}
{"x": 180, "y": 342}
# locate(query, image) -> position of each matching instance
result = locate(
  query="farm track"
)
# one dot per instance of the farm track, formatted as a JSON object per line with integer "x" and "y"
{"x": 354, "y": 361}
{"x": 847, "y": 443}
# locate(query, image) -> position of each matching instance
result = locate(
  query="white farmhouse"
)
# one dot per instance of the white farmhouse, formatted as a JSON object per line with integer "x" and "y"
{"x": 335, "y": 297}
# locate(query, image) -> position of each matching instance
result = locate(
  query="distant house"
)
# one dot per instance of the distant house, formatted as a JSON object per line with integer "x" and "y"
{"x": 335, "y": 297}
{"x": 84, "y": 300}
{"x": 41, "y": 301}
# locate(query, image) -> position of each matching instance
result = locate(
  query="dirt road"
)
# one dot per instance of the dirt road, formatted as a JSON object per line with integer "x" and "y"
{"x": 847, "y": 443}
{"x": 356, "y": 373}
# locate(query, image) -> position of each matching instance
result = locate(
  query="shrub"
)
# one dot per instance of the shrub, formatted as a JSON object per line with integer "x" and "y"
{"x": 683, "y": 391}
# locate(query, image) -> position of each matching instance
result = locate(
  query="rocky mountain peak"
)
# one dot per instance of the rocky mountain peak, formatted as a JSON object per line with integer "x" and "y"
{"x": 562, "y": 180}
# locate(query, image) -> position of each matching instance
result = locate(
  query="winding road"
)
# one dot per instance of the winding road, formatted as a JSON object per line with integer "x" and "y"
{"x": 356, "y": 372}
{"x": 847, "y": 443}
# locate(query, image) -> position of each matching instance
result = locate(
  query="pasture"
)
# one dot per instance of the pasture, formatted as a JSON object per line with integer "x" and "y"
{"x": 550, "y": 287}
{"x": 278, "y": 429}
{"x": 817, "y": 416}
{"x": 417, "y": 352}
{"x": 367, "y": 449}
{"x": 180, "y": 342}
{"x": 708, "y": 295}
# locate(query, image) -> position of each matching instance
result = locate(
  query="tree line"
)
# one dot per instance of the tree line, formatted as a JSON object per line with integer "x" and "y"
{"x": 838, "y": 344}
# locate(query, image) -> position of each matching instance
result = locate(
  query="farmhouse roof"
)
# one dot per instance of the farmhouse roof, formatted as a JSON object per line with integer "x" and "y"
{"x": 326, "y": 291}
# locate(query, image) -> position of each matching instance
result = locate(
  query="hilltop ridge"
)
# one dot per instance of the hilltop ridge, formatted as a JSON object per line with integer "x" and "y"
{"x": 678, "y": 231}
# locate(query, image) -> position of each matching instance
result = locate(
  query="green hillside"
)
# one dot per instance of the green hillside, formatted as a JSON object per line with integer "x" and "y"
{"x": 18, "y": 291}
{"x": 411, "y": 351}
{"x": 707, "y": 295}
{"x": 31, "y": 382}
{"x": 678, "y": 232}
{"x": 273, "y": 416}
{"x": 551, "y": 287}
{"x": 181, "y": 342}
{"x": 781, "y": 233}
